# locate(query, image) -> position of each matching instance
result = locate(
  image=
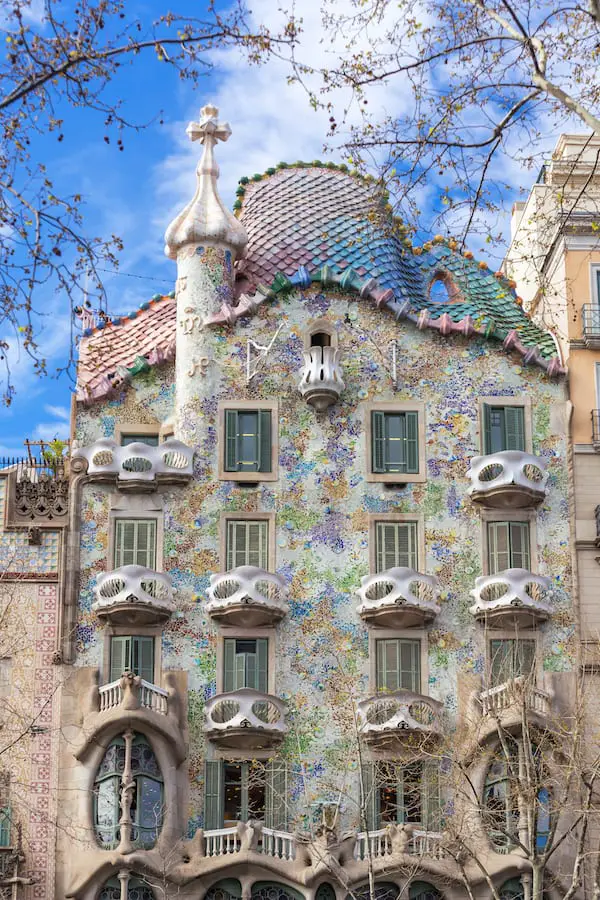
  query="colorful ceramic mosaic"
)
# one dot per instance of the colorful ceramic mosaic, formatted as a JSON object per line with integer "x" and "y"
{"x": 19, "y": 557}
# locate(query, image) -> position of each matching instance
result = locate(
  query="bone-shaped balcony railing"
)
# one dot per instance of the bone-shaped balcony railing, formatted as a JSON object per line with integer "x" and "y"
{"x": 508, "y": 469}
{"x": 517, "y": 691}
{"x": 512, "y": 593}
{"x": 131, "y": 589}
{"x": 247, "y": 595}
{"x": 401, "y": 594}
{"x": 138, "y": 461}
{"x": 399, "y": 713}
{"x": 321, "y": 381}
{"x": 246, "y": 718}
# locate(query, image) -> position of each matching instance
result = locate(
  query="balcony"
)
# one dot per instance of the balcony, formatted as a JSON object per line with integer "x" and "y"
{"x": 591, "y": 325}
{"x": 133, "y": 595}
{"x": 392, "y": 840}
{"x": 136, "y": 466}
{"x": 321, "y": 380}
{"x": 247, "y": 597}
{"x": 141, "y": 694}
{"x": 506, "y": 701}
{"x": 267, "y": 841}
{"x": 400, "y": 718}
{"x": 507, "y": 480}
{"x": 245, "y": 720}
{"x": 596, "y": 429}
{"x": 399, "y": 598}
{"x": 510, "y": 599}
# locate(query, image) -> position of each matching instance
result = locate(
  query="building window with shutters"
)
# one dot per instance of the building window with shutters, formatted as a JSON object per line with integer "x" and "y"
{"x": 508, "y": 546}
{"x": 248, "y": 445}
{"x": 245, "y": 664}
{"x": 5, "y": 809}
{"x": 396, "y": 545}
{"x": 503, "y": 428}
{"x": 132, "y": 653}
{"x": 398, "y": 664}
{"x": 238, "y": 791}
{"x": 396, "y": 794}
{"x": 134, "y": 543}
{"x": 396, "y": 442}
{"x": 246, "y": 543}
{"x": 511, "y": 658}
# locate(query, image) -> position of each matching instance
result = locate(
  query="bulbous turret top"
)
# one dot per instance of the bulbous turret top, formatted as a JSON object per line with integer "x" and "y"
{"x": 205, "y": 219}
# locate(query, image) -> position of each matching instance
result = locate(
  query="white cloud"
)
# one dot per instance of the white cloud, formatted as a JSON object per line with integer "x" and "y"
{"x": 50, "y": 431}
{"x": 61, "y": 412}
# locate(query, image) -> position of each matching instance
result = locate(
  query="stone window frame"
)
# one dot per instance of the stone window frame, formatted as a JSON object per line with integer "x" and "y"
{"x": 418, "y": 518}
{"x": 509, "y": 515}
{"x": 121, "y": 428}
{"x": 254, "y": 477}
{"x": 416, "y": 634}
{"x": 131, "y": 506}
{"x": 391, "y": 406}
{"x": 500, "y": 400}
{"x": 269, "y": 517}
{"x": 153, "y": 631}
{"x": 321, "y": 325}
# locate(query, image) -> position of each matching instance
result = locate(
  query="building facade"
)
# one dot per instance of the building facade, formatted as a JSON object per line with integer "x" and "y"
{"x": 319, "y": 553}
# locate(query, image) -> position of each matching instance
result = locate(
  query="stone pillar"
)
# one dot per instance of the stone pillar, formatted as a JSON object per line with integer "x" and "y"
{"x": 205, "y": 239}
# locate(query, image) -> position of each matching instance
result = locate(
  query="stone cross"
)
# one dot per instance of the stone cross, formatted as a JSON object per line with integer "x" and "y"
{"x": 209, "y": 127}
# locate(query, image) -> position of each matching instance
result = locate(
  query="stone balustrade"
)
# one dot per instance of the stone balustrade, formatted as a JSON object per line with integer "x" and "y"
{"x": 396, "y": 839}
{"x": 133, "y": 595}
{"x": 508, "y": 479}
{"x": 245, "y": 719}
{"x": 138, "y": 464}
{"x": 399, "y": 598}
{"x": 247, "y": 597}
{"x": 515, "y": 692}
{"x": 387, "y": 719}
{"x": 132, "y": 692}
{"x": 514, "y": 597}
{"x": 321, "y": 381}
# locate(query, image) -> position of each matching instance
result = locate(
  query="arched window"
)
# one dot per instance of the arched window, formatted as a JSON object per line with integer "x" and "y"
{"x": 271, "y": 890}
{"x": 146, "y": 799}
{"x": 500, "y": 806}
{"x": 325, "y": 892}
{"x": 422, "y": 890}
{"x": 136, "y": 890}
{"x": 226, "y": 889}
{"x": 320, "y": 339}
{"x": 383, "y": 891}
{"x": 512, "y": 890}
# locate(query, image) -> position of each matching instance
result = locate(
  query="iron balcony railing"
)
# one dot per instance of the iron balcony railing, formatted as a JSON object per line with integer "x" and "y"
{"x": 591, "y": 320}
{"x": 596, "y": 426}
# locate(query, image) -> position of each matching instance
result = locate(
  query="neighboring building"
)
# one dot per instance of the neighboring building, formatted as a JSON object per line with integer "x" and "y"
{"x": 319, "y": 498}
{"x": 33, "y": 528}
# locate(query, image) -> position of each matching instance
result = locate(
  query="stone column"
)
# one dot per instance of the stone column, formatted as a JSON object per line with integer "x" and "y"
{"x": 205, "y": 239}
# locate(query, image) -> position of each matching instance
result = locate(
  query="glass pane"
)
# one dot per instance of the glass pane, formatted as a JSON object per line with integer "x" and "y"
{"x": 232, "y": 784}
{"x": 107, "y": 810}
{"x": 395, "y": 442}
{"x": 150, "y": 439}
{"x": 256, "y": 791}
{"x": 248, "y": 440}
{"x": 150, "y": 805}
{"x": 497, "y": 441}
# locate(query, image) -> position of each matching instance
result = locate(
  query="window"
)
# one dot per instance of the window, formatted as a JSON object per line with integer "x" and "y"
{"x": 508, "y": 546}
{"x": 132, "y": 654}
{"x": 422, "y": 890}
{"x": 246, "y": 543}
{"x": 271, "y": 890}
{"x": 150, "y": 439}
{"x": 239, "y": 791}
{"x": 245, "y": 664}
{"x": 248, "y": 445}
{"x": 5, "y": 810}
{"x": 400, "y": 793}
{"x": 398, "y": 665}
{"x": 500, "y": 801}
{"x": 396, "y": 544}
{"x": 135, "y": 543}
{"x": 5, "y": 677}
{"x": 511, "y": 658}
{"x": 136, "y": 889}
{"x": 320, "y": 339}
{"x": 395, "y": 442}
{"x": 503, "y": 428}
{"x": 147, "y": 805}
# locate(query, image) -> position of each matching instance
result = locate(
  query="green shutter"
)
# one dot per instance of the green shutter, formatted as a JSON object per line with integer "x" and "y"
{"x": 262, "y": 662}
{"x": 519, "y": 545}
{"x": 369, "y": 799}
{"x": 231, "y": 441}
{"x": 5, "y": 826}
{"x": 378, "y": 441}
{"x": 502, "y": 661}
{"x": 487, "y": 428}
{"x": 146, "y": 540}
{"x": 524, "y": 657}
{"x": 213, "y": 794}
{"x": 431, "y": 796}
{"x": 143, "y": 654}
{"x": 499, "y": 556}
{"x": 514, "y": 428}
{"x": 411, "y": 455}
{"x": 124, "y": 542}
{"x": 276, "y": 799}
{"x": 135, "y": 542}
{"x": 229, "y": 662}
{"x": 264, "y": 440}
{"x": 119, "y": 656}
{"x": 395, "y": 545}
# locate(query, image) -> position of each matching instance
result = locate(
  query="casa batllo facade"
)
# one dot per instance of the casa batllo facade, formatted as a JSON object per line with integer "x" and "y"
{"x": 319, "y": 536}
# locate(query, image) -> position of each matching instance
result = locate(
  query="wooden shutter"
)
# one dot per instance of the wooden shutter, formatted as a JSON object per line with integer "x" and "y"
{"x": 264, "y": 440}
{"x": 229, "y": 670}
{"x": 395, "y": 545}
{"x": 378, "y": 454}
{"x": 256, "y": 544}
{"x": 232, "y": 462}
{"x": 143, "y": 657}
{"x": 145, "y": 550}
{"x": 524, "y": 663}
{"x": 5, "y": 813}
{"x": 213, "y": 794}
{"x": 411, "y": 455}
{"x": 409, "y": 652}
{"x": 247, "y": 544}
{"x": 124, "y": 542}
{"x": 519, "y": 545}
{"x": 431, "y": 796}
{"x": 502, "y": 667}
{"x": 499, "y": 555}
{"x": 487, "y": 428}
{"x": 369, "y": 801}
{"x": 387, "y": 665}
{"x": 119, "y": 656}
{"x": 514, "y": 428}
{"x": 262, "y": 664}
{"x": 276, "y": 795}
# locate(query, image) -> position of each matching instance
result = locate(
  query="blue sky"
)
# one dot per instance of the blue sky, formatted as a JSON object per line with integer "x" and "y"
{"x": 135, "y": 193}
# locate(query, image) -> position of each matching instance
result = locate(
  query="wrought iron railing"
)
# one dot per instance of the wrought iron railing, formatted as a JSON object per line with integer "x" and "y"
{"x": 591, "y": 320}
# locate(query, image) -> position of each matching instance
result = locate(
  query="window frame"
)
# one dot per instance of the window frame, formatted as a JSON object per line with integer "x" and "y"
{"x": 138, "y": 429}
{"x": 515, "y": 515}
{"x": 595, "y": 283}
{"x": 507, "y": 635}
{"x": 396, "y": 518}
{"x": 269, "y": 518}
{"x": 248, "y": 406}
{"x": 378, "y": 633}
{"x": 133, "y": 517}
{"x": 242, "y": 634}
{"x": 524, "y": 401}
{"x": 396, "y": 477}
{"x": 150, "y": 631}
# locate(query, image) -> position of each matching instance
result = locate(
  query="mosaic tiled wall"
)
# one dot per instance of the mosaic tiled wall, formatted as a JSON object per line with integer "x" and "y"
{"x": 18, "y": 556}
{"x": 322, "y": 502}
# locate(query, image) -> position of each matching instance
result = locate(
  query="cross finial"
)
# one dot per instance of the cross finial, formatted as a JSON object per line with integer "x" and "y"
{"x": 209, "y": 126}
